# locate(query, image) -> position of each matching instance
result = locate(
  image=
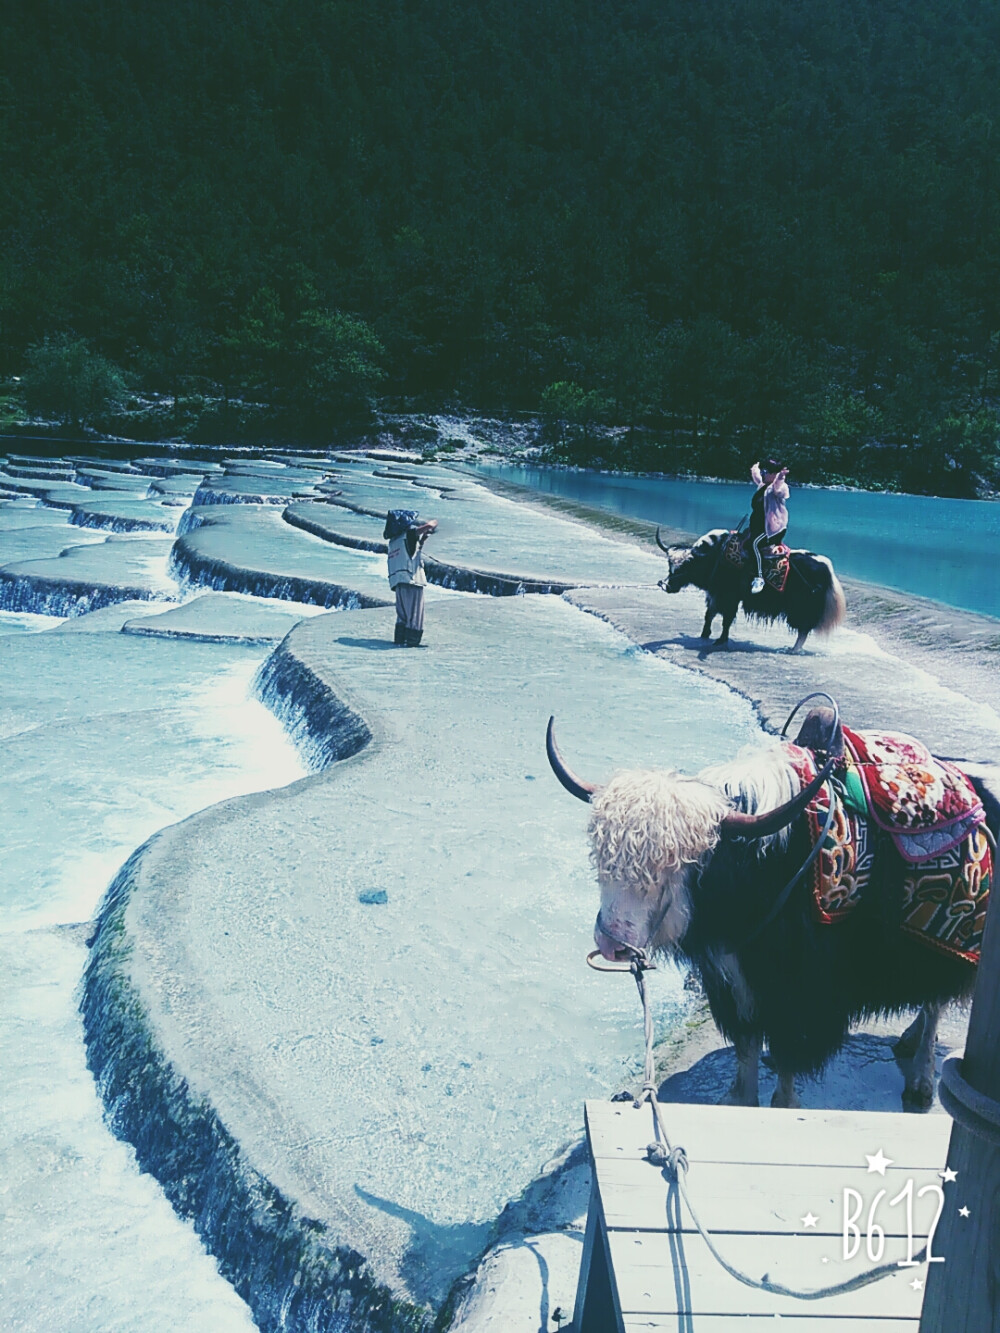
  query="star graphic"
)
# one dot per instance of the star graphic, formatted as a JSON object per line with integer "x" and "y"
{"x": 917, "y": 1284}
{"x": 947, "y": 1174}
{"x": 963, "y": 1212}
{"x": 878, "y": 1162}
{"x": 810, "y": 1220}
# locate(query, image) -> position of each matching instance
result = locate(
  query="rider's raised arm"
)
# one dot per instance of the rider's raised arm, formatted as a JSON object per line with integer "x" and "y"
{"x": 755, "y": 475}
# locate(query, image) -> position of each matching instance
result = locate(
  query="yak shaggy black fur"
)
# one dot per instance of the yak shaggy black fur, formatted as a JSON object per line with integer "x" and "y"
{"x": 808, "y": 982}
{"x": 812, "y": 599}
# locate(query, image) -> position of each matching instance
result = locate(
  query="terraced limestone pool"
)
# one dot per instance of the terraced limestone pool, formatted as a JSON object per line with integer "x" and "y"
{"x": 104, "y": 740}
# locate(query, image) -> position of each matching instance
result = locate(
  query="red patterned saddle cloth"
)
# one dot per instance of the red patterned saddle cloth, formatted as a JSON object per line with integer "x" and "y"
{"x": 931, "y": 811}
{"x": 774, "y": 559}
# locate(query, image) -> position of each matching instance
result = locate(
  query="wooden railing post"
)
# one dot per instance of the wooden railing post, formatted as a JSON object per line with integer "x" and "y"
{"x": 963, "y": 1293}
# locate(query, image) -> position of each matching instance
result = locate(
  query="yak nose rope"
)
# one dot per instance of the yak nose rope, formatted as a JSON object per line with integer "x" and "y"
{"x": 674, "y": 1161}
{"x": 616, "y": 965}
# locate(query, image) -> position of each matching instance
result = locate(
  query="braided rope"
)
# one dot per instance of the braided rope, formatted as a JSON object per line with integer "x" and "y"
{"x": 674, "y": 1160}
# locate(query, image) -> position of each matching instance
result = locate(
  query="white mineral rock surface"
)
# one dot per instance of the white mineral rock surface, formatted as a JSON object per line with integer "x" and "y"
{"x": 420, "y": 1056}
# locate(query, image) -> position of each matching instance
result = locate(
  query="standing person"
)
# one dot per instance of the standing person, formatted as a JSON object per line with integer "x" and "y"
{"x": 768, "y": 513}
{"x": 406, "y": 536}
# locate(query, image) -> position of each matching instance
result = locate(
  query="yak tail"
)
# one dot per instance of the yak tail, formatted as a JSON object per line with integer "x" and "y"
{"x": 836, "y": 605}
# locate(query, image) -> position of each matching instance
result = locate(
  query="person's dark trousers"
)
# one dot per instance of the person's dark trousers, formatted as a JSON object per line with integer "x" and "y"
{"x": 409, "y": 613}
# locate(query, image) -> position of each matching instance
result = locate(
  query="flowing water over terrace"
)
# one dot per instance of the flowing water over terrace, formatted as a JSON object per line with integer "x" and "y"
{"x": 944, "y": 549}
{"x": 103, "y": 740}
{"x": 90, "y": 1242}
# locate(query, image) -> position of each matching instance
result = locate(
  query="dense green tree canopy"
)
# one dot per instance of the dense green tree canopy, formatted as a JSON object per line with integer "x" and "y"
{"x": 775, "y": 217}
{"x": 65, "y": 380}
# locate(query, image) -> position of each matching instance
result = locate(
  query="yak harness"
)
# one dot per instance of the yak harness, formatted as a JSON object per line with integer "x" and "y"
{"x": 774, "y": 559}
{"x": 891, "y": 783}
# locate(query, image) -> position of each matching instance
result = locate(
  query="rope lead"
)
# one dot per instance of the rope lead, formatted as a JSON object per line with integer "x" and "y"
{"x": 674, "y": 1161}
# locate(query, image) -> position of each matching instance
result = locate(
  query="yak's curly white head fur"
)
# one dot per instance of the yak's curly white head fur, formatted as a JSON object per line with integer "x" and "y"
{"x": 646, "y": 823}
{"x": 648, "y": 828}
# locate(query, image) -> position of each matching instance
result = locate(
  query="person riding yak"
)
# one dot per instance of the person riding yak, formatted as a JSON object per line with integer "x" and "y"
{"x": 768, "y": 513}
{"x": 753, "y": 568}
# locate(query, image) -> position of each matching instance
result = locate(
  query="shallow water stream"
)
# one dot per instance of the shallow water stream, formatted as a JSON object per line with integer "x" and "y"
{"x": 104, "y": 739}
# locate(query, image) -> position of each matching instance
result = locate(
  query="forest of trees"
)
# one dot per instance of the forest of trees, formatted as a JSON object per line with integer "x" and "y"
{"x": 734, "y": 225}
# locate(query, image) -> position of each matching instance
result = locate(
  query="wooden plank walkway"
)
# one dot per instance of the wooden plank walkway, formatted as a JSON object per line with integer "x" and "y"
{"x": 756, "y": 1178}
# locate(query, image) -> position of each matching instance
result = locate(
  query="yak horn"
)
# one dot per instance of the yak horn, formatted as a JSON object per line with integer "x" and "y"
{"x": 582, "y": 790}
{"x": 738, "y": 825}
{"x": 665, "y": 549}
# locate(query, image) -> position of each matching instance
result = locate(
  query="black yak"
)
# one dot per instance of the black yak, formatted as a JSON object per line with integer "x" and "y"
{"x": 812, "y": 599}
{"x": 698, "y": 868}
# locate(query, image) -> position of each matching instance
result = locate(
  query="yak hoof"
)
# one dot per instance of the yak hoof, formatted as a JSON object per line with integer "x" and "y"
{"x": 920, "y": 1096}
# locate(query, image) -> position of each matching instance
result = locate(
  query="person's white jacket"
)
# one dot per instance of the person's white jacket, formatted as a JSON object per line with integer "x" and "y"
{"x": 403, "y": 567}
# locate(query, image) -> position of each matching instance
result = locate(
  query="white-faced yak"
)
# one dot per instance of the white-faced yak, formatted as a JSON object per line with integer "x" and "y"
{"x": 793, "y": 947}
{"x": 799, "y": 587}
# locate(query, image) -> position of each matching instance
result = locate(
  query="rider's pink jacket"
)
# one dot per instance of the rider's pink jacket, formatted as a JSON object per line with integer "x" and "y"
{"x": 775, "y": 513}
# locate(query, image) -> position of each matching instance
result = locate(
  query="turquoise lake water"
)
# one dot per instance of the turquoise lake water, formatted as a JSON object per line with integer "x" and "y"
{"x": 944, "y": 549}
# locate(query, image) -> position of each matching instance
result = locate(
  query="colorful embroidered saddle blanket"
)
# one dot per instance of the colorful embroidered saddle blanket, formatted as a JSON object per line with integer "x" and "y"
{"x": 927, "y": 804}
{"x": 935, "y": 819}
{"x": 774, "y": 559}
